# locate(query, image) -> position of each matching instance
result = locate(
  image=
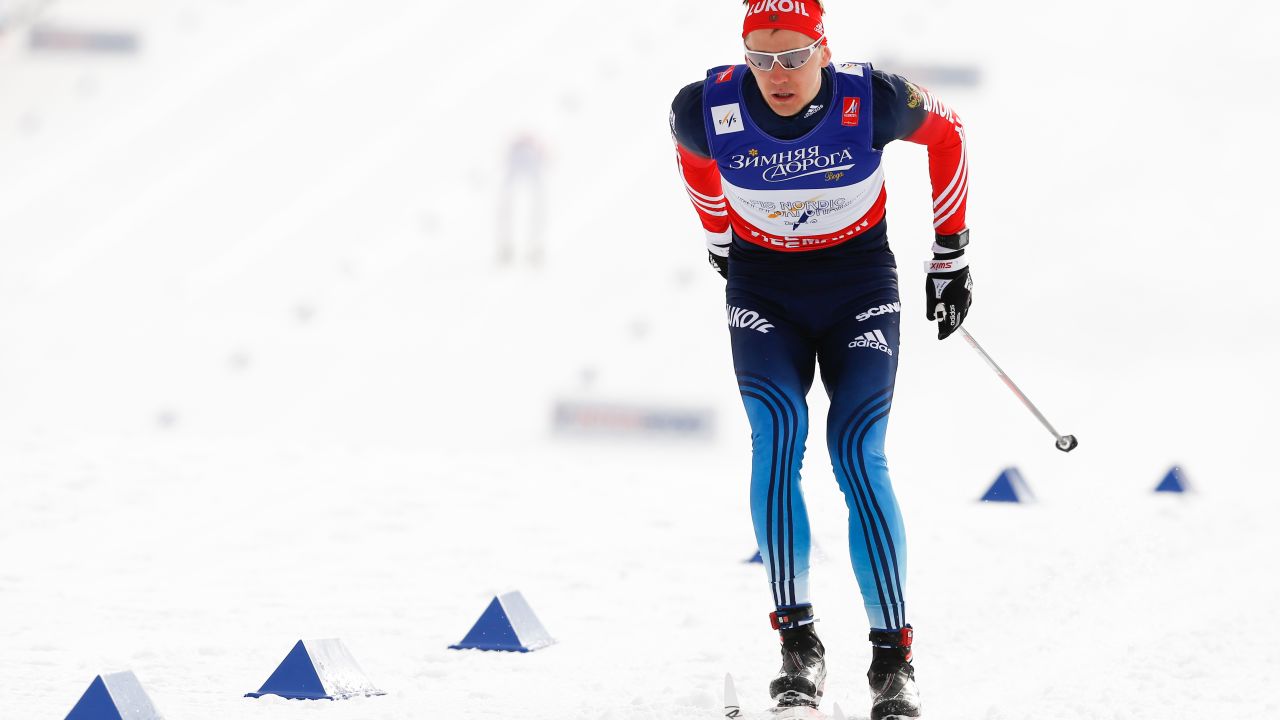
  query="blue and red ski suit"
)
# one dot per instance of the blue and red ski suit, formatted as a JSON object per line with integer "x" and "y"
{"x": 798, "y": 203}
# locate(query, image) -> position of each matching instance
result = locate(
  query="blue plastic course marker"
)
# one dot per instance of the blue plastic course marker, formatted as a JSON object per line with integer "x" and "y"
{"x": 508, "y": 624}
{"x": 115, "y": 696}
{"x": 317, "y": 670}
{"x": 1009, "y": 487}
{"x": 1175, "y": 481}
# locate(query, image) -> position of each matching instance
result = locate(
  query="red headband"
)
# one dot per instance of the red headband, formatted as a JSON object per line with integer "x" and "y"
{"x": 803, "y": 16}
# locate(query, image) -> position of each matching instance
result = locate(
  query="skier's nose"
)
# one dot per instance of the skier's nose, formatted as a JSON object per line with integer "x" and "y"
{"x": 778, "y": 75}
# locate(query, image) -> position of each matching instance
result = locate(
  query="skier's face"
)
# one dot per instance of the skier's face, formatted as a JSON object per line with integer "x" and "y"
{"x": 788, "y": 91}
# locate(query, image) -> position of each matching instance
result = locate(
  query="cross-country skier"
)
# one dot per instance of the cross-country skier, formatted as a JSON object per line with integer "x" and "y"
{"x": 781, "y": 158}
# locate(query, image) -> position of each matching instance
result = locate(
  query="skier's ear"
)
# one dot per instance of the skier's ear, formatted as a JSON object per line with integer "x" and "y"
{"x": 826, "y": 56}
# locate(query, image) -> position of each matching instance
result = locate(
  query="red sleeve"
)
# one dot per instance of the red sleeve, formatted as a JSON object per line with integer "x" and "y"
{"x": 943, "y": 133}
{"x": 701, "y": 178}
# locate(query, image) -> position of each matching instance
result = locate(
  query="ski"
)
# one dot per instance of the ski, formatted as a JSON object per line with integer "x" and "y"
{"x": 803, "y": 712}
{"x": 733, "y": 709}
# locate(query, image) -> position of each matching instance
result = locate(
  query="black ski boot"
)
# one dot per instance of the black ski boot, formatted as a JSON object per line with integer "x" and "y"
{"x": 803, "y": 675}
{"x": 893, "y": 679}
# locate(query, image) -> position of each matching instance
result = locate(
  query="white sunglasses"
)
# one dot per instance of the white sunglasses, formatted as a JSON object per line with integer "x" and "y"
{"x": 788, "y": 59}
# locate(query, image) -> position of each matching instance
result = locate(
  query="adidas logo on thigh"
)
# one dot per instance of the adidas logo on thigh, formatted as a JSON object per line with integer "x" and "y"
{"x": 873, "y": 339}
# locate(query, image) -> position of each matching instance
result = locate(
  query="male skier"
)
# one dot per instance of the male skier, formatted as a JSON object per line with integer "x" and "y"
{"x": 781, "y": 159}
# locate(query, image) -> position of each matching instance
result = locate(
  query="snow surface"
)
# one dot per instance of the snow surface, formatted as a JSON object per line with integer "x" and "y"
{"x": 260, "y": 380}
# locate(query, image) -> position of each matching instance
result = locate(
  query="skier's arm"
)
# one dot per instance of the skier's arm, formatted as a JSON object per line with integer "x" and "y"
{"x": 913, "y": 114}
{"x": 904, "y": 111}
{"x": 700, "y": 174}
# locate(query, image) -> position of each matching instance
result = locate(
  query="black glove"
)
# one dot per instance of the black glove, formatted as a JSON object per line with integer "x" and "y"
{"x": 948, "y": 285}
{"x": 719, "y": 264}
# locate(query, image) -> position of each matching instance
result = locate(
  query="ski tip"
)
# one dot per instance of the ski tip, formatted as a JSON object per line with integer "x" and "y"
{"x": 836, "y": 713}
{"x": 731, "y": 707}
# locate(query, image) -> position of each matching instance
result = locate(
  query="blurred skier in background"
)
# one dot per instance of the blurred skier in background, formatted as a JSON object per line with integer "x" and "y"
{"x": 522, "y": 213}
{"x": 781, "y": 159}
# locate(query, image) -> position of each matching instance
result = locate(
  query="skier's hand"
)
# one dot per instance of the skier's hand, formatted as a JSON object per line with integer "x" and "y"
{"x": 948, "y": 287}
{"x": 719, "y": 263}
{"x": 718, "y": 251}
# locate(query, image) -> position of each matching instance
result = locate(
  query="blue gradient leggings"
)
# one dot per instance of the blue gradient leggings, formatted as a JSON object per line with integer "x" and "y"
{"x": 784, "y": 314}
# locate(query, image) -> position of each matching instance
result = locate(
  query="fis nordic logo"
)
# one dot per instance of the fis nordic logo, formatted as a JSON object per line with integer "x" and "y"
{"x": 880, "y": 310}
{"x": 874, "y": 339}
{"x": 799, "y": 212}
{"x": 728, "y": 118}
{"x": 750, "y": 319}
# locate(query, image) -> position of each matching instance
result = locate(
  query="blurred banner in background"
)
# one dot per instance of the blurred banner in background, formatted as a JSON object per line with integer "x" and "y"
{"x": 58, "y": 39}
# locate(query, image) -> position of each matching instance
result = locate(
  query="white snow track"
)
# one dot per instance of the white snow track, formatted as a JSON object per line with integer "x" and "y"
{"x": 261, "y": 380}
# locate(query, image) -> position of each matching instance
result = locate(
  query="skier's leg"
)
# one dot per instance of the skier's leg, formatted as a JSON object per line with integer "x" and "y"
{"x": 774, "y": 362}
{"x": 859, "y": 361}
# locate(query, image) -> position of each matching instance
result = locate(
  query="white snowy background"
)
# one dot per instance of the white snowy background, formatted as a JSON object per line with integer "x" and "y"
{"x": 261, "y": 380}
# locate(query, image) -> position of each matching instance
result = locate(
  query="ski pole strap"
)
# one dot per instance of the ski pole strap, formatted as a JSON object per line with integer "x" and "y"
{"x": 790, "y": 618}
{"x": 892, "y": 638}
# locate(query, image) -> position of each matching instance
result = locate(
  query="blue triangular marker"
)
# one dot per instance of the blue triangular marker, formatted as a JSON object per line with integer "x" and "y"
{"x": 755, "y": 558}
{"x": 115, "y": 696}
{"x": 508, "y": 624}
{"x": 317, "y": 670}
{"x": 1174, "y": 481}
{"x": 1009, "y": 487}
{"x": 492, "y": 631}
{"x": 95, "y": 704}
{"x": 295, "y": 678}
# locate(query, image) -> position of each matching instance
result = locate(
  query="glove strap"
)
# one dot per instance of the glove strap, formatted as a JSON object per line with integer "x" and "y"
{"x": 718, "y": 243}
{"x": 946, "y": 265}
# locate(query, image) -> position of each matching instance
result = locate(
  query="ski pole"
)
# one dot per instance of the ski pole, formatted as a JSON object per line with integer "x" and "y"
{"x": 1065, "y": 443}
